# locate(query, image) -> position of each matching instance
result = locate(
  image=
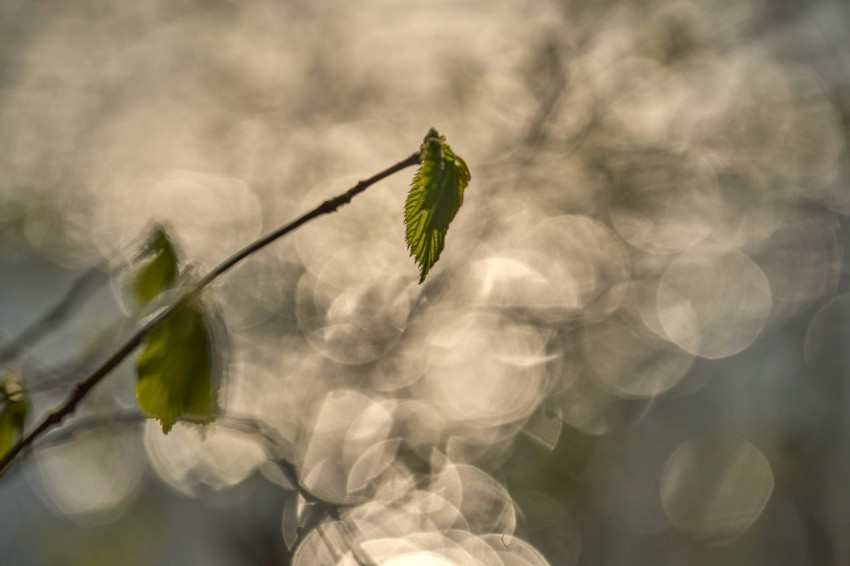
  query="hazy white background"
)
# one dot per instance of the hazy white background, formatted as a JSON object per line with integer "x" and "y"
{"x": 632, "y": 351}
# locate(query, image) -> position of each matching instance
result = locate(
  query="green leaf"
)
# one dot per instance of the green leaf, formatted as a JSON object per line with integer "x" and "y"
{"x": 435, "y": 196}
{"x": 159, "y": 269}
{"x": 13, "y": 414}
{"x": 177, "y": 369}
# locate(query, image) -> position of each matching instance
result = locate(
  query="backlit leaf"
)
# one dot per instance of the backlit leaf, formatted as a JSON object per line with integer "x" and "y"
{"x": 13, "y": 414}
{"x": 159, "y": 268}
{"x": 435, "y": 196}
{"x": 177, "y": 371}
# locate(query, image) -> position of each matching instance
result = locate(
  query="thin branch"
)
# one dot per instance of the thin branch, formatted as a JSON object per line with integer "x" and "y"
{"x": 76, "y": 295}
{"x": 327, "y": 207}
{"x": 83, "y": 388}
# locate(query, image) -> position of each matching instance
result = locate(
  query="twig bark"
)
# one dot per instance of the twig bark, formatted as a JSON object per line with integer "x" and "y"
{"x": 82, "y": 389}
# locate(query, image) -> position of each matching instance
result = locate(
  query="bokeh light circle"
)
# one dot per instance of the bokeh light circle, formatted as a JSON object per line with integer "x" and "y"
{"x": 90, "y": 480}
{"x": 483, "y": 369}
{"x": 632, "y": 365}
{"x": 713, "y": 488}
{"x": 713, "y": 302}
{"x": 355, "y": 307}
{"x": 191, "y": 460}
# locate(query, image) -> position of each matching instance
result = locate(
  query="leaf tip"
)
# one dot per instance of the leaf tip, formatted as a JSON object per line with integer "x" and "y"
{"x": 179, "y": 370}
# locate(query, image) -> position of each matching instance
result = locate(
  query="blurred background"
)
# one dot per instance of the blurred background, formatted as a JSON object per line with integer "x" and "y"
{"x": 634, "y": 350}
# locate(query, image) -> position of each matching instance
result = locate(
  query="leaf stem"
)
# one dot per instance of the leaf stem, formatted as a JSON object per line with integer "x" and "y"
{"x": 82, "y": 389}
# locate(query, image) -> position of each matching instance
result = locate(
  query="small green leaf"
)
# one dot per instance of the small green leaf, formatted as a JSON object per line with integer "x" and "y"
{"x": 435, "y": 196}
{"x": 176, "y": 370}
{"x": 159, "y": 269}
{"x": 13, "y": 414}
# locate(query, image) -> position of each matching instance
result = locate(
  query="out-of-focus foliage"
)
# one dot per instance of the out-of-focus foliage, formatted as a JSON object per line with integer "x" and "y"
{"x": 175, "y": 369}
{"x": 13, "y": 414}
{"x": 174, "y": 372}
{"x": 435, "y": 197}
{"x": 159, "y": 267}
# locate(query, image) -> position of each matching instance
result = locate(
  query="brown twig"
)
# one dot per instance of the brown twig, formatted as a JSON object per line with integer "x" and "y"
{"x": 82, "y": 389}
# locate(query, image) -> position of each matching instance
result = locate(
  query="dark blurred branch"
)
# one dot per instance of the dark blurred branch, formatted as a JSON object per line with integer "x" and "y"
{"x": 83, "y": 388}
{"x": 46, "y": 378}
{"x": 76, "y": 296}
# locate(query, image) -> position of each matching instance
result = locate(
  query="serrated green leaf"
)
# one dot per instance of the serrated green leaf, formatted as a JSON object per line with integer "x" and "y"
{"x": 436, "y": 194}
{"x": 159, "y": 269}
{"x": 12, "y": 416}
{"x": 176, "y": 368}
